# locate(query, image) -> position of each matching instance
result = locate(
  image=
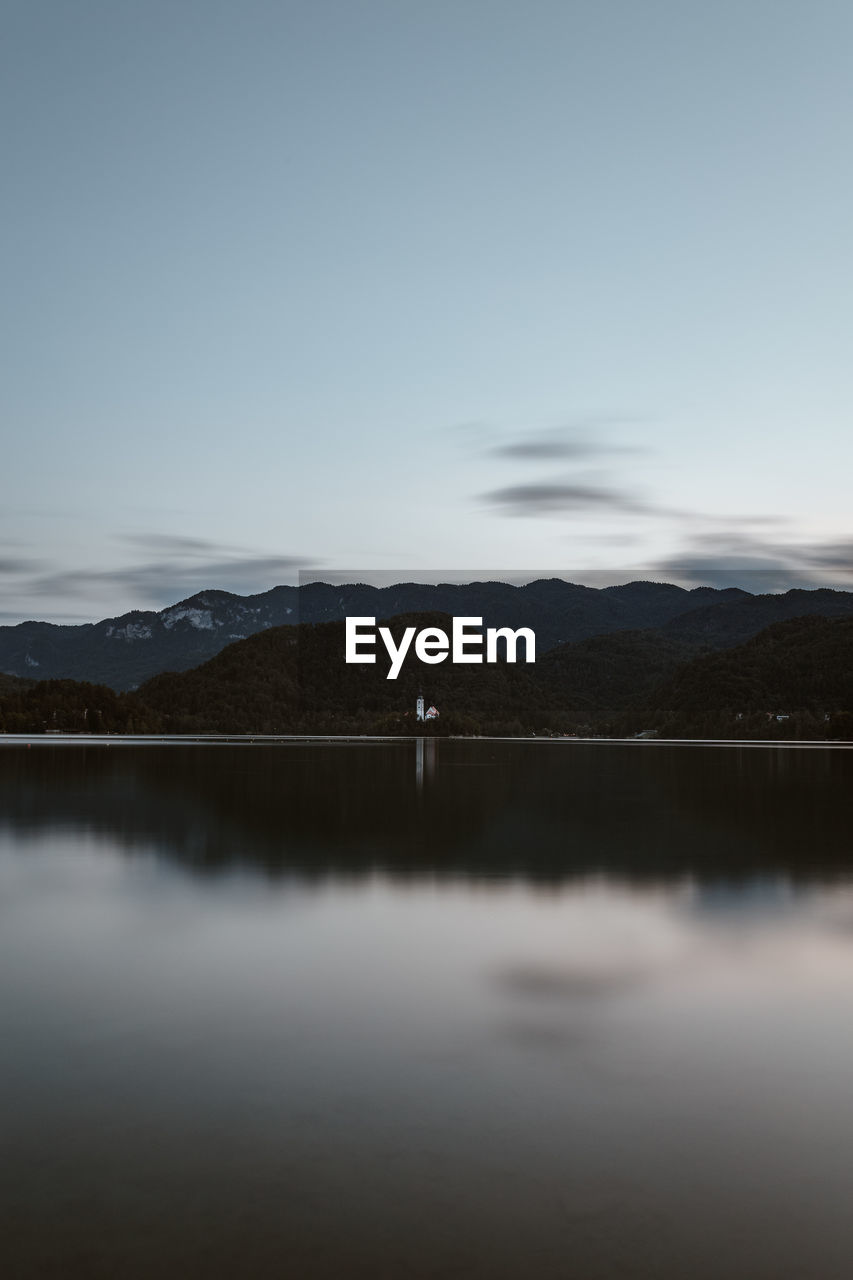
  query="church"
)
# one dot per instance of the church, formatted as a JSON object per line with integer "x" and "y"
{"x": 431, "y": 712}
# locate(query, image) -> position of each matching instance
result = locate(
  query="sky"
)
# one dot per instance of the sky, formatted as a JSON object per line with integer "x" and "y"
{"x": 375, "y": 285}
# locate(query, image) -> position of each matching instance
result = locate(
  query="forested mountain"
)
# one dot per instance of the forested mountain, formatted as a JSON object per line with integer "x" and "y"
{"x": 793, "y": 679}
{"x": 122, "y": 652}
{"x": 125, "y": 651}
{"x": 732, "y": 621}
{"x": 14, "y": 684}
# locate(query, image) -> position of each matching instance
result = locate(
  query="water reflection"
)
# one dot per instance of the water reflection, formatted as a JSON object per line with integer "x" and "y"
{"x": 545, "y": 812}
{"x": 426, "y": 754}
{"x": 475, "y": 1009}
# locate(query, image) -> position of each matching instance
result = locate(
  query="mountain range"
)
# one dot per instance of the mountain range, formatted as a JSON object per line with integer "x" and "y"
{"x": 125, "y": 651}
{"x": 792, "y": 680}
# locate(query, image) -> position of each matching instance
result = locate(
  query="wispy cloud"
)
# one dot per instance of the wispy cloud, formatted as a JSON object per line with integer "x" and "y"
{"x": 12, "y": 566}
{"x": 569, "y": 492}
{"x": 564, "y": 444}
{"x": 174, "y": 544}
{"x": 175, "y": 566}
{"x": 162, "y": 581}
{"x": 758, "y": 552}
{"x": 739, "y": 557}
{"x": 565, "y": 496}
{"x": 833, "y": 557}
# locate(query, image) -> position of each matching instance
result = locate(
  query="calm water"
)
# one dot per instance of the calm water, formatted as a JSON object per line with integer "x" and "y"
{"x": 457, "y": 1009}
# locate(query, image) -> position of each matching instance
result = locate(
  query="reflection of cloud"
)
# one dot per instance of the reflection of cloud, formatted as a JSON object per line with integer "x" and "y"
{"x": 542, "y": 982}
{"x": 605, "y": 955}
{"x": 544, "y": 1035}
{"x": 551, "y": 1003}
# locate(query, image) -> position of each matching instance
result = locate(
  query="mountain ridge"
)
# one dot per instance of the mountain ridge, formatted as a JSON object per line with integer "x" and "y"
{"x": 791, "y": 680}
{"x": 124, "y": 651}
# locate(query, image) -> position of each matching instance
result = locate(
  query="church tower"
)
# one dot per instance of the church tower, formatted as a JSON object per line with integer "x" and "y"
{"x": 419, "y": 707}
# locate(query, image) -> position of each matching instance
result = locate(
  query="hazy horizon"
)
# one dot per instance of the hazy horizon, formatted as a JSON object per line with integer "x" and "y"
{"x": 759, "y": 582}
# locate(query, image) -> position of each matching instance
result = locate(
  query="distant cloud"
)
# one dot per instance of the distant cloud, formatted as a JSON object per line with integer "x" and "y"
{"x": 562, "y": 444}
{"x": 563, "y": 497}
{"x": 833, "y": 557}
{"x": 760, "y": 553}
{"x": 545, "y": 450}
{"x": 550, "y": 983}
{"x": 13, "y": 565}
{"x": 173, "y": 544}
{"x": 572, "y": 492}
{"x": 161, "y": 582}
{"x": 747, "y": 560}
{"x": 171, "y": 568}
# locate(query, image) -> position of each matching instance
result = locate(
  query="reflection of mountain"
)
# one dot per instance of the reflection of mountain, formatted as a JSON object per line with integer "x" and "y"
{"x": 543, "y": 812}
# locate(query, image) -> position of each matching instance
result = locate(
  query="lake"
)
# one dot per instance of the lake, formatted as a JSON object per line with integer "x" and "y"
{"x": 426, "y": 1009}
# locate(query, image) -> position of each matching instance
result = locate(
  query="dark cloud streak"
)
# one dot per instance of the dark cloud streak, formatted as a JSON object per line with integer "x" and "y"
{"x": 161, "y": 582}
{"x": 759, "y": 564}
{"x": 760, "y": 553}
{"x": 546, "y": 499}
{"x": 544, "y": 449}
{"x": 174, "y": 544}
{"x": 564, "y": 444}
{"x": 13, "y": 565}
{"x": 567, "y": 497}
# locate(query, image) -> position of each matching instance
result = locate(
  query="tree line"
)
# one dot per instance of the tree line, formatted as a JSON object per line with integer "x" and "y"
{"x": 793, "y": 680}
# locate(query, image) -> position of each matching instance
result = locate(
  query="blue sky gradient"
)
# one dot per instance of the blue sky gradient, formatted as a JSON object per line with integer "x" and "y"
{"x": 390, "y": 284}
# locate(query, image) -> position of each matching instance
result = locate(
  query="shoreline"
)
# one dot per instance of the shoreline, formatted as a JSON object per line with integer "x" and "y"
{"x": 249, "y": 739}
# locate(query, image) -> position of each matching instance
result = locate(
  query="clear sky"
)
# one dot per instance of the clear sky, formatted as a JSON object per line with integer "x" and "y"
{"x": 562, "y": 284}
